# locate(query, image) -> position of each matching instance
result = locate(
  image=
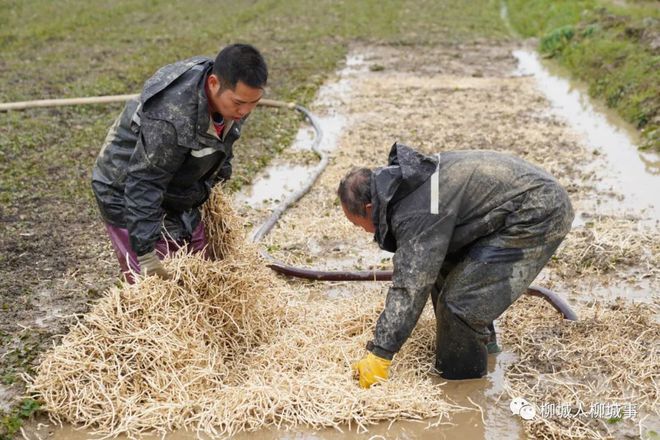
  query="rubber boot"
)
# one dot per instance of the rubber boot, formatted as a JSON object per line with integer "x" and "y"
{"x": 461, "y": 352}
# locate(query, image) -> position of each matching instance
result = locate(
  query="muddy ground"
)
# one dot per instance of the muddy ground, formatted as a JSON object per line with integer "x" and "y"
{"x": 445, "y": 98}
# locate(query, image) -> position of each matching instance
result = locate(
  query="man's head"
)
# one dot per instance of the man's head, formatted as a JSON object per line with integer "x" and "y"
{"x": 355, "y": 195}
{"x": 237, "y": 81}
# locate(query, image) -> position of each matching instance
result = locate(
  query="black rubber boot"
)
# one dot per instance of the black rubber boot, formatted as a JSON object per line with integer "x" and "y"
{"x": 461, "y": 352}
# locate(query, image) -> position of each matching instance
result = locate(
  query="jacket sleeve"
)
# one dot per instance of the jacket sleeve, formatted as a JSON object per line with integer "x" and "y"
{"x": 224, "y": 173}
{"x": 155, "y": 160}
{"x": 422, "y": 242}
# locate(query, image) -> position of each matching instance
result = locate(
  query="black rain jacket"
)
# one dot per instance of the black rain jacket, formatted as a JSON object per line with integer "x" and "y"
{"x": 476, "y": 194}
{"x": 162, "y": 156}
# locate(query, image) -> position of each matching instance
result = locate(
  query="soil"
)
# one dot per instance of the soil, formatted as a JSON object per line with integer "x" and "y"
{"x": 55, "y": 261}
{"x": 443, "y": 98}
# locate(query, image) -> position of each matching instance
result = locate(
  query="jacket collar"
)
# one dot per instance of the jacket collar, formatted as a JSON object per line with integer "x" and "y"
{"x": 406, "y": 170}
{"x": 205, "y": 132}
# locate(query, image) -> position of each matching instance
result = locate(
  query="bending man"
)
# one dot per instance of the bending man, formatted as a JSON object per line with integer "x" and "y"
{"x": 470, "y": 229}
{"x": 168, "y": 149}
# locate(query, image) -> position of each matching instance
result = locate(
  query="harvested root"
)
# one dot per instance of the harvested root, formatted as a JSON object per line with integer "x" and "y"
{"x": 226, "y": 346}
{"x": 607, "y": 244}
{"x": 610, "y": 357}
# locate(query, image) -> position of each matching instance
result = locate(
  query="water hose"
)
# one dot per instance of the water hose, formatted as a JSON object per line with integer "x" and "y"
{"x": 23, "y": 105}
{"x": 311, "y": 274}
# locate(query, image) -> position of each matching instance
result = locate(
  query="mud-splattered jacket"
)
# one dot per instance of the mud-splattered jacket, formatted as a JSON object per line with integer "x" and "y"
{"x": 428, "y": 207}
{"x": 162, "y": 156}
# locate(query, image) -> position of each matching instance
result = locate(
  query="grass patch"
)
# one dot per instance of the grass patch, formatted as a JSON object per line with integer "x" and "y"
{"x": 11, "y": 423}
{"x": 71, "y": 48}
{"x": 612, "y": 47}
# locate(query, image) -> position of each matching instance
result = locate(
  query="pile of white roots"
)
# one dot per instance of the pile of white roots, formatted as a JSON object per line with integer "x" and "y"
{"x": 227, "y": 346}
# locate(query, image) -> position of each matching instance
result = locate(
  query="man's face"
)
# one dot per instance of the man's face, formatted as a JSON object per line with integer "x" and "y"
{"x": 233, "y": 104}
{"x": 363, "y": 222}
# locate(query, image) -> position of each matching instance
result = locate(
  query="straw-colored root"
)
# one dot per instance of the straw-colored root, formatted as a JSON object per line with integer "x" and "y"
{"x": 605, "y": 245}
{"x": 610, "y": 357}
{"x": 226, "y": 347}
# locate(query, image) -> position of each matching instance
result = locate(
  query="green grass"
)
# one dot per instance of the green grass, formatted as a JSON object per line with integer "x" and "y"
{"x": 66, "y": 48}
{"x": 611, "y": 47}
{"x": 11, "y": 423}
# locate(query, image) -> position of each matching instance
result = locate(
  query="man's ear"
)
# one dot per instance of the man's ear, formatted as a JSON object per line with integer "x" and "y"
{"x": 215, "y": 83}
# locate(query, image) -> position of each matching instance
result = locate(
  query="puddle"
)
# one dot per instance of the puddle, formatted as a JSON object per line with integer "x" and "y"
{"x": 630, "y": 173}
{"x": 275, "y": 185}
{"x": 343, "y": 256}
{"x": 277, "y": 181}
{"x": 641, "y": 291}
{"x": 485, "y": 392}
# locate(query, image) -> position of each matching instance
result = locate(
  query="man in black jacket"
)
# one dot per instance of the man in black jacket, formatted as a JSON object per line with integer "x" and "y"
{"x": 168, "y": 148}
{"x": 471, "y": 229}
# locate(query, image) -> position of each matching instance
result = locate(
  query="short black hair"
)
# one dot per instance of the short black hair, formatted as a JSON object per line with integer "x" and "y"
{"x": 355, "y": 190}
{"x": 240, "y": 62}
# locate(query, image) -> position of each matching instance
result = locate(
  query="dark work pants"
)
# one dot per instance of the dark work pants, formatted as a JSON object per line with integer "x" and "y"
{"x": 473, "y": 290}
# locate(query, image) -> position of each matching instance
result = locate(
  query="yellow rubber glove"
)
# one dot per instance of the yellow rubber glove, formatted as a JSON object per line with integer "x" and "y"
{"x": 372, "y": 369}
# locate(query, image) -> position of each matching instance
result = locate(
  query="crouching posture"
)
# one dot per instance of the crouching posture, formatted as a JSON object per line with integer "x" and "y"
{"x": 470, "y": 229}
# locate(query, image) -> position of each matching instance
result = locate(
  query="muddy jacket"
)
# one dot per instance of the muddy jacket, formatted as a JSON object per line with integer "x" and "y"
{"x": 426, "y": 208}
{"x": 162, "y": 156}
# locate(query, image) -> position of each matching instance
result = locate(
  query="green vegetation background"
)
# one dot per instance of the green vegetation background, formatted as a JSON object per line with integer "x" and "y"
{"x": 614, "y": 46}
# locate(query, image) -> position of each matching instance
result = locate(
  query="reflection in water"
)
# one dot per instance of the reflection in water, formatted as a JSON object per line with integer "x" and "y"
{"x": 630, "y": 172}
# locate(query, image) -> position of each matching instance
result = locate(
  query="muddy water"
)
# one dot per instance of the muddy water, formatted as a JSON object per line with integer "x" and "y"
{"x": 630, "y": 177}
{"x": 495, "y": 422}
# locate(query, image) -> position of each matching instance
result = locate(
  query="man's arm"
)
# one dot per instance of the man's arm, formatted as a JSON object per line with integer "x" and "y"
{"x": 422, "y": 242}
{"x": 154, "y": 162}
{"x": 224, "y": 173}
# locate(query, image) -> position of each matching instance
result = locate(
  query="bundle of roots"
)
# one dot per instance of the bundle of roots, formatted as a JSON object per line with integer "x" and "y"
{"x": 226, "y": 346}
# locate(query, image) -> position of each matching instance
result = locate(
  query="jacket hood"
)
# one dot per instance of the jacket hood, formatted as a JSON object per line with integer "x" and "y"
{"x": 406, "y": 170}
